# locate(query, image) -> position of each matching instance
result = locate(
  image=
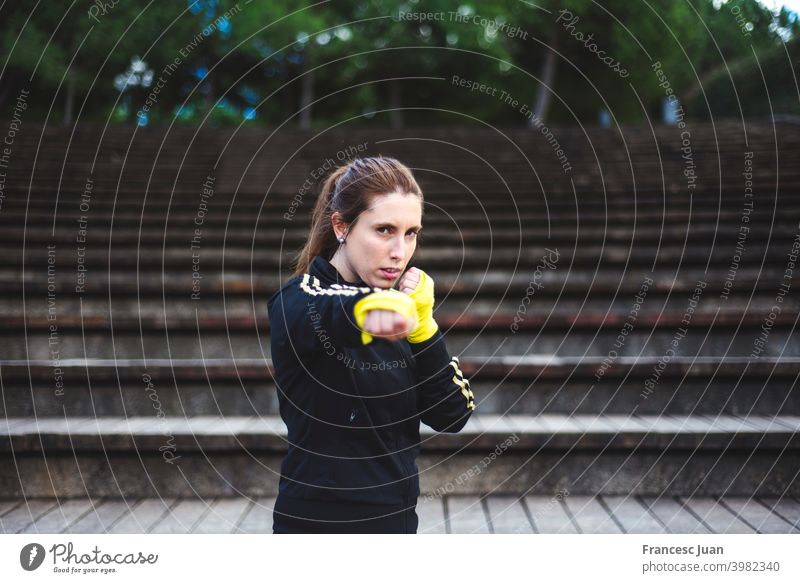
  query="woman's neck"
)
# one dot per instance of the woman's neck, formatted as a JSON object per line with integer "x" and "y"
{"x": 342, "y": 266}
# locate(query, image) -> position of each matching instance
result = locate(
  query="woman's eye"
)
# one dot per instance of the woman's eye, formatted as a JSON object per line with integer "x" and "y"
{"x": 387, "y": 230}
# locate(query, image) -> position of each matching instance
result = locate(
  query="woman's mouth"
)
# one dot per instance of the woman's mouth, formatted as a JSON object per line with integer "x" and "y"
{"x": 390, "y": 273}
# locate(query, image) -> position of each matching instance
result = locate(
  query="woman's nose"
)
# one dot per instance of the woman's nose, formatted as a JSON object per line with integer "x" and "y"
{"x": 398, "y": 250}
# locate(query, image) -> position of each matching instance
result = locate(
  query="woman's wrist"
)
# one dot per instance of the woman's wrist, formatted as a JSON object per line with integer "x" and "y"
{"x": 424, "y": 331}
{"x": 424, "y": 299}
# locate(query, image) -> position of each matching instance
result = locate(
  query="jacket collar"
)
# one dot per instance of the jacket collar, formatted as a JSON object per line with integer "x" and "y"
{"x": 322, "y": 269}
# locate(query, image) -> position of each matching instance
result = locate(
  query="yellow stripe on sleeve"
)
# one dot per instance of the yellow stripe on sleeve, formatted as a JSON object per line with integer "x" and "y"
{"x": 463, "y": 383}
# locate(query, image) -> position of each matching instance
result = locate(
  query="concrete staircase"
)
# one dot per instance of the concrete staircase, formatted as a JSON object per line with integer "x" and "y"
{"x": 623, "y": 333}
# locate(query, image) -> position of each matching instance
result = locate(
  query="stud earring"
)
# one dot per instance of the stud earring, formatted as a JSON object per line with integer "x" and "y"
{"x": 341, "y": 240}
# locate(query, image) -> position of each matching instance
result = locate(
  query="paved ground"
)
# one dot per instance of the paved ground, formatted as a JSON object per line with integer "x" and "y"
{"x": 448, "y": 514}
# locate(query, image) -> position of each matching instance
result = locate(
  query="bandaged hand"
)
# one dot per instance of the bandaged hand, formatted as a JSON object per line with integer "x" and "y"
{"x": 419, "y": 287}
{"x": 387, "y": 314}
{"x": 388, "y": 324}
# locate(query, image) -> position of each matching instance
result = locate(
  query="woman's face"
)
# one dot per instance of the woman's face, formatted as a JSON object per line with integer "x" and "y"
{"x": 381, "y": 242}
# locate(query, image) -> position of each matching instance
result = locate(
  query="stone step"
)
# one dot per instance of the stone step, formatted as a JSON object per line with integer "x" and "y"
{"x": 471, "y": 283}
{"x": 587, "y": 256}
{"x": 589, "y": 157}
{"x": 589, "y": 454}
{"x": 538, "y": 366}
{"x": 462, "y": 178}
{"x": 468, "y": 341}
{"x": 632, "y": 204}
{"x": 89, "y": 393}
{"x": 268, "y": 433}
{"x": 462, "y": 174}
{"x": 294, "y": 210}
{"x": 723, "y": 134}
{"x": 252, "y": 162}
{"x": 521, "y": 386}
{"x": 176, "y": 317}
{"x": 237, "y": 312}
{"x": 244, "y": 310}
{"x": 271, "y": 215}
{"x": 475, "y": 191}
{"x": 532, "y": 234}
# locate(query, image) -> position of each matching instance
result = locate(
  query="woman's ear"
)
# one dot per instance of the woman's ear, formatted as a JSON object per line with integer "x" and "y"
{"x": 339, "y": 226}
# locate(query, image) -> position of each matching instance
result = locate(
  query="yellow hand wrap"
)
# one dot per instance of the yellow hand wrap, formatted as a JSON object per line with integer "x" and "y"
{"x": 390, "y": 299}
{"x": 423, "y": 299}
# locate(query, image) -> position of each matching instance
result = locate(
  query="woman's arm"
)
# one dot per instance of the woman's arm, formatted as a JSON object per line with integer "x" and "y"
{"x": 444, "y": 397}
{"x": 311, "y": 316}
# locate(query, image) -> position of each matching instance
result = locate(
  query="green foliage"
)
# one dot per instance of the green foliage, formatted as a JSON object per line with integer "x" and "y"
{"x": 348, "y": 59}
{"x": 756, "y": 85}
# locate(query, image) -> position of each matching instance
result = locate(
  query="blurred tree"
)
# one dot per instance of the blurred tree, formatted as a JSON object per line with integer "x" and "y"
{"x": 68, "y": 49}
{"x": 267, "y": 62}
{"x": 741, "y": 33}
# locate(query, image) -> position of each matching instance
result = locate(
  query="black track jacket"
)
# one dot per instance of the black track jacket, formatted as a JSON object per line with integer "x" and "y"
{"x": 353, "y": 410}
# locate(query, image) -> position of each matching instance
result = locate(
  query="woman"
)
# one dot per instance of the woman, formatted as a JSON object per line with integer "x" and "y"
{"x": 359, "y": 360}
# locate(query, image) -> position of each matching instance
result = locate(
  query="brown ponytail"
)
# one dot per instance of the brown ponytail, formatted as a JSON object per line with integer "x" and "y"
{"x": 348, "y": 190}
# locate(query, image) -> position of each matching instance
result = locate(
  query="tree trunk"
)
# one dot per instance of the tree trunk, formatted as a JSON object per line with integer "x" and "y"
{"x": 306, "y": 97}
{"x": 208, "y": 102}
{"x": 5, "y": 90}
{"x": 543, "y": 96}
{"x": 395, "y": 104}
{"x": 69, "y": 101}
